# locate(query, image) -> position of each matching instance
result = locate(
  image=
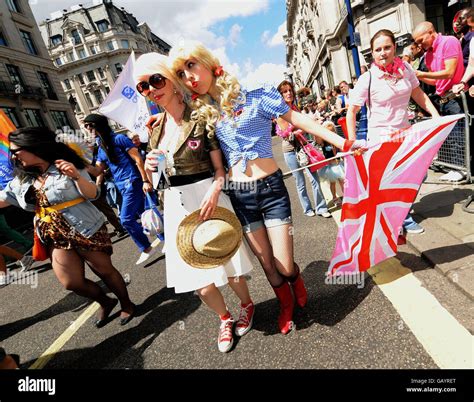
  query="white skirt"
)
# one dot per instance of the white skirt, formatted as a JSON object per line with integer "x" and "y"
{"x": 180, "y": 202}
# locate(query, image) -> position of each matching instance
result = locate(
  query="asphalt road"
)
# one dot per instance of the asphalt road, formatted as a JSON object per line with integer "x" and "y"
{"x": 342, "y": 326}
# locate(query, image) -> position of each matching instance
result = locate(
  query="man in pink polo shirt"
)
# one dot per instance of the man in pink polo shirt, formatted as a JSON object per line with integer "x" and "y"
{"x": 443, "y": 54}
{"x": 444, "y": 60}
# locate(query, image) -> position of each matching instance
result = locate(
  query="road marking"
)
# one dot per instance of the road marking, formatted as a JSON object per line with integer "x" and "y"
{"x": 449, "y": 344}
{"x": 64, "y": 337}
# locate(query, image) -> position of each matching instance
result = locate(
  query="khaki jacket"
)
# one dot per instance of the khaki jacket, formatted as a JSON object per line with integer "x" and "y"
{"x": 192, "y": 155}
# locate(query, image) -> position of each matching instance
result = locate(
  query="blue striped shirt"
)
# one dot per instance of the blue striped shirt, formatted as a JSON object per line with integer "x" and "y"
{"x": 248, "y": 135}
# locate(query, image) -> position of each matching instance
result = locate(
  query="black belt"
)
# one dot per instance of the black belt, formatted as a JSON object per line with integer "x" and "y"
{"x": 189, "y": 178}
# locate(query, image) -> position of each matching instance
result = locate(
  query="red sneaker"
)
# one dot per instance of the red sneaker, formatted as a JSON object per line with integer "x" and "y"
{"x": 245, "y": 321}
{"x": 225, "y": 340}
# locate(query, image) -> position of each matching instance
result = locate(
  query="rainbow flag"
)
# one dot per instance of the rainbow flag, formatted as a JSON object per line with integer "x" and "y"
{"x": 6, "y": 126}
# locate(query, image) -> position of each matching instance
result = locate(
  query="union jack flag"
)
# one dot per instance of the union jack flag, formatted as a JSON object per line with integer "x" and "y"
{"x": 382, "y": 186}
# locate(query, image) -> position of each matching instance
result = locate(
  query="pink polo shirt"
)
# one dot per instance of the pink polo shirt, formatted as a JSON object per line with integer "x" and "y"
{"x": 388, "y": 109}
{"x": 445, "y": 47}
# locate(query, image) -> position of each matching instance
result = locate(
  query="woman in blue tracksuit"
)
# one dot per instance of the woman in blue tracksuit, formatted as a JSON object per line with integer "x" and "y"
{"x": 126, "y": 166}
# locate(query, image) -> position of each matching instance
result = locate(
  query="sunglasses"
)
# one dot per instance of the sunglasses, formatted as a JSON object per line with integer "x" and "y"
{"x": 157, "y": 81}
{"x": 89, "y": 125}
{"x": 16, "y": 150}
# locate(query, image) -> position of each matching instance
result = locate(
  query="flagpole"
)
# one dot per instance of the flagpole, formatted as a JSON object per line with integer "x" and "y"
{"x": 339, "y": 155}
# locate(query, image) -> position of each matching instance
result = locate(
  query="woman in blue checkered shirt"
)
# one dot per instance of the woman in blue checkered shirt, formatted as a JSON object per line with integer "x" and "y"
{"x": 241, "y": 119}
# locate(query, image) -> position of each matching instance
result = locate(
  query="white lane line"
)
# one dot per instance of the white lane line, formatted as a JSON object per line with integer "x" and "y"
{"x": 449, "y": 344}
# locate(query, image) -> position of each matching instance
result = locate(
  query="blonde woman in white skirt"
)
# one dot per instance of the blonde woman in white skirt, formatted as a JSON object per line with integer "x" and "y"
{"x": 196, "y": 174}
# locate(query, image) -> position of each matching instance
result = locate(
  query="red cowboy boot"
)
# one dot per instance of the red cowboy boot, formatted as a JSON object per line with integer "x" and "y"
{"x": 287, "y": 304}
{"x": 301, "y": 295}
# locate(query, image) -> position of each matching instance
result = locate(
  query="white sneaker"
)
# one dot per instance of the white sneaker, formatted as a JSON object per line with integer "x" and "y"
{"x": 146, "y": 256}
{"x": 225, "y": 340}
{"x": 452, "y": 175}
{"x": 325, "y": 215}
{"x": 456, "y": 176}
{"x": 26, "y": 263}
{"x": 310, "y": 213}
{"x": 4, "y": 280}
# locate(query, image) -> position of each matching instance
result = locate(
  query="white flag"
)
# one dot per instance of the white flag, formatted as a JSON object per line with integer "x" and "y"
{"x": 125, "y": 105}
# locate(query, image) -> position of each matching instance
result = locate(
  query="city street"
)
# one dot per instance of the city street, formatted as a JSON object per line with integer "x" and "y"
{"x": 405, "y": 316}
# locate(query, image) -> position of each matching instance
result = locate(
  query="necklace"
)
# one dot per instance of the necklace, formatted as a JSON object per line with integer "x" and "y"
{"x": 169, "y": 141}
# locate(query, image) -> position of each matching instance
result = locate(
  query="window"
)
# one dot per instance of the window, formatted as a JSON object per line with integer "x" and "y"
{"x": 89, "y": 100}
{"x": 28, "y": 42}
{"x": 58, "y": 61}
{"x": 101, "y": 72}
{"x": 67, "y": 84}
{"x": 46, "y": 84}
{"x": 11, "y": 113}
{"x": 13, "y": 6}
{"x": 3, "y": 41}
{"x": 82, "y": 54}
{"x": 98, "y": 96}
{"x": 118, "y": 67}
{"x": 56, "y": 40}
{"x": 125, "y": 44}
{"x": 70, "y": 56}
{"x": 76, "y": 39}
{"x": 60, "y": 119}
{"x": 15, "y": 75}
{"x": 110, "y": 45}
{"x": 33, "y": 118}
{"x": 73, "y": 102}
{"x": 93, "y": 50}
{"x": 102, "y": 25}
{"x": 90, "y": 76}
{"x": 80, "y": 78}
{"x": 329, "y": 75}
{"x": 107, "y": 90}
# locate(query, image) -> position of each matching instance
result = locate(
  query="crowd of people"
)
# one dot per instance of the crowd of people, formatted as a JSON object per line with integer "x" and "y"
{"x": 225, "y": 198}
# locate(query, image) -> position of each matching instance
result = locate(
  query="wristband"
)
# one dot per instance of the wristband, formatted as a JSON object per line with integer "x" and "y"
{"x": 146, "y": 181}
{"x": 463, "y": 83}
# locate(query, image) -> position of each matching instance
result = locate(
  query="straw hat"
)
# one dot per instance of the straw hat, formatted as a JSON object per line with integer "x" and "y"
{"x": 208, "y": 244}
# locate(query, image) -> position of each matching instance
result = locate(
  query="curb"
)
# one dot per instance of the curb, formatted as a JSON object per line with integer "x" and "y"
{"x": 447, "y": 254}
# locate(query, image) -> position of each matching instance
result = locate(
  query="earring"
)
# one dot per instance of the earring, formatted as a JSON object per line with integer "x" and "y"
{"x": 174, "y": 90}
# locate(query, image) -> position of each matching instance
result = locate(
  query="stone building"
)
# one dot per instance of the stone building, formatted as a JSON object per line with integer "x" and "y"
{"x": 90, "y": 44}
{"x": 30, "y": 91}
{"x": 318, "y": 50}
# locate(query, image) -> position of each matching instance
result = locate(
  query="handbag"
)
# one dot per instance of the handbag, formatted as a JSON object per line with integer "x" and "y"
{"x": 39, "y": 252}
{"x": 151, "y": 219}
{"x": 301, "y": 157}
{"x": 312, "y": 154}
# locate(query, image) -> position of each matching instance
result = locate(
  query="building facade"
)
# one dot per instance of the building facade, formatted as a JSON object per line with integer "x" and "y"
{"x": 318, "y": 46}
{"x": 30, "y": 92}
{"x": 90, "y": 45}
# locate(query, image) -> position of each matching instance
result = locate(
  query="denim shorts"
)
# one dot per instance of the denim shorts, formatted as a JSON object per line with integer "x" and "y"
{"x": 263, "y": 202}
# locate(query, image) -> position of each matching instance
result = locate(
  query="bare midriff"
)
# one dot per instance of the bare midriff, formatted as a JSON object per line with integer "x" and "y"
{"x": 256, "y": 169}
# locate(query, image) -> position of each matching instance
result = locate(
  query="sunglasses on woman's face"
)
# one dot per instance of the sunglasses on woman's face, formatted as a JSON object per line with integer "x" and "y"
{"x": 14, "y": 151}
{"x": 157, "y": 81}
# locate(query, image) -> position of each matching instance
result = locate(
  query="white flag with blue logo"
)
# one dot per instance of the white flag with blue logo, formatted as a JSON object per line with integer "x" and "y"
{"x": 125, "y": 105}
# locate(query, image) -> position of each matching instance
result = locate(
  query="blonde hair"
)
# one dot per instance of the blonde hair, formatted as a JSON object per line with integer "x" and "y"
{"x": 153, "y": 63}
{"x": 329, "y": 125}
{"x": 228, "y": 88}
